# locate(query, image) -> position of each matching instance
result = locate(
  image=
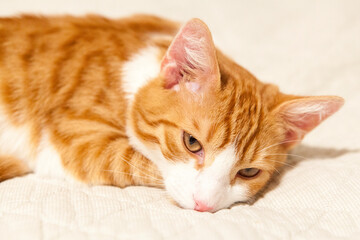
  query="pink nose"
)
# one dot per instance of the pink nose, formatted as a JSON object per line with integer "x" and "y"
{"x": 201, "y": 207}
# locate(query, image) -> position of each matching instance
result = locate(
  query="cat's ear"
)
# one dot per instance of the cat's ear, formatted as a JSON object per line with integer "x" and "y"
{"x": 300, "y": 115}
{"x": 191, "y": 59}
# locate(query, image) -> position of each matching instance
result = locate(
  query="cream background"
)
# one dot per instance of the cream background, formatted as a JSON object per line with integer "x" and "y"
{"x": 305, "y": 47}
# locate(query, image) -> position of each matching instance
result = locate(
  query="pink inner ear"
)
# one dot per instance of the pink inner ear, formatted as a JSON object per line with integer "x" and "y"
{"x": 190, "y": 56}
{"x": 172, "y": 74}
{"x": 303, "y": 115}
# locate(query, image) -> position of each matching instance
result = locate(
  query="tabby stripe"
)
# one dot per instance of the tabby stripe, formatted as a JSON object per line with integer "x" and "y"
{"x": 90, "y": 116}
{"x": 143, "y": 135}
{"x": 58, "y": 136}
{"x": 108, "y": 78}
{"x": 78, "y": 80}
{"x": 156, "y": 123}
{"x": 196, "y": 125}
{"x": 228, "y": 118}
{"x": 11, "y": 167}
{"x": 126, "y": 167}
{"x": 110, "y": 138}
{"x": 169, "y": 155}
{"x": 26, "y": 58}
{"x": 89, "y": 153}
{"x": 80, "y": 154}
{"x": 113, "y": 163}
{"x": 9, "y": 96}
{"x": 211, "y": 132}
{"x": 116, "y": 41}
{"x": 254, "y": 131}
{"x": 77, "y": 135}
{"x": 166, "y": 122}
{"x": 100, "y": 97}
{"x": 106, "y": 169}
{"x": 67, "y": 50}
{"x": 104, "y": 64}
{"x": 171, "y": 146}
{"x": 2, "y": 48}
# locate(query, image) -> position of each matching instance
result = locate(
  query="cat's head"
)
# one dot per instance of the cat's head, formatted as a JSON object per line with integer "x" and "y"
{"x": 215, "y": 132}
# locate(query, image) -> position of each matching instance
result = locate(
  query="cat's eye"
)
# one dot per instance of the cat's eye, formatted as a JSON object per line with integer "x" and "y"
{"x": 248, "y": 172}
{"x": 191, "y": 143}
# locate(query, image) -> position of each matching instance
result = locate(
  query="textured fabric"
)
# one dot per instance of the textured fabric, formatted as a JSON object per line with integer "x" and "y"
{"x": 305, "y": 47}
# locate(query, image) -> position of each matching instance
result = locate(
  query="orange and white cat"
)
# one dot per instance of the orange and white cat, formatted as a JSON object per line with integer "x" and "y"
{"x": 140, "y": 101}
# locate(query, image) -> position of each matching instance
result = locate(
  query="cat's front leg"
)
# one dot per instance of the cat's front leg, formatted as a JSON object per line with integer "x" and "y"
{"x": 97, "y": 153}
{"x": 11, "y": 167}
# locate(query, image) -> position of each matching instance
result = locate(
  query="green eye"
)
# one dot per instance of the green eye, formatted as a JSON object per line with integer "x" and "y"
{"x": 248, "y": 172}
{"x": 191, "y": 143}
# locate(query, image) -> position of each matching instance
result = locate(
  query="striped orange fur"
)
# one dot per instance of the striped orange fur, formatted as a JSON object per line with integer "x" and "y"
{"x": 61, "y": 77}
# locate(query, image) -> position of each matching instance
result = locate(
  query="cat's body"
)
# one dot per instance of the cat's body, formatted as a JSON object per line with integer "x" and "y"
{"x": 61, "y": 92}
{"x": 109, "y": 102}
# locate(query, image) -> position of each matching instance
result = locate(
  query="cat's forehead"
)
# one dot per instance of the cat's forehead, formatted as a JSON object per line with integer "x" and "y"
{"x": 224, "y": 125}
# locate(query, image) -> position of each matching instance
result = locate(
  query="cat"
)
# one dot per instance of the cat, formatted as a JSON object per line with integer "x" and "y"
{"x": 143, "y": 101}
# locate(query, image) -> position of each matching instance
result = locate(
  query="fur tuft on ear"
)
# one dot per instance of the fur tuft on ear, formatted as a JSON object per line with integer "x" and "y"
{"x": 299, "y": 116}
{"x": 191, "y": 59}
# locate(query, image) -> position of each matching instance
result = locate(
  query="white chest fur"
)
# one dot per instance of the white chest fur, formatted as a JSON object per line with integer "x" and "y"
{"x": 142, "y": 67}
{"x": 15, "y": 141}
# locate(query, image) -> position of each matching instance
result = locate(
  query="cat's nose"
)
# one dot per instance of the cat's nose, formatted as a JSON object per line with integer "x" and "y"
{"x": 202, "y": 207}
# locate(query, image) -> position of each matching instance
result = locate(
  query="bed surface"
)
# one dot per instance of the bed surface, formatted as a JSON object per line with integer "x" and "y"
{"x": 305, "y": 47}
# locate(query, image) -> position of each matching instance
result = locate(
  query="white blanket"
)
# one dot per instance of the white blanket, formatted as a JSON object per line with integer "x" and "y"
{"x": 305, "y": 47}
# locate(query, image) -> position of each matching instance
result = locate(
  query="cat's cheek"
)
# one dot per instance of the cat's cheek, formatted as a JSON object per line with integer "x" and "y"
{"x": 236, "y": 194}
{"x": 179, "y": 183}
{"x": 255, "y": 185}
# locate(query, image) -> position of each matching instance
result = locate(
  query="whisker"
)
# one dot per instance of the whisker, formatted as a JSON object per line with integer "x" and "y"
{"x": 275, "y": 169}
{"x": 287, "y": 154}
{"x": 141, "y": 170}
{"x": 276, "y": 144}
{"x": 282, "y": 162}
{"x": 153, "y": 185}
{"x": 134, "y": 175}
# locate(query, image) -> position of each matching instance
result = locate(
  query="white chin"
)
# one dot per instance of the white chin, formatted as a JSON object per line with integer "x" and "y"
{"x": 182, "y": 194}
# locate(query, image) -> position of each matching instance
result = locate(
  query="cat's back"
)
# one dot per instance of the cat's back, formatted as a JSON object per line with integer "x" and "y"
{"x": 45, "y": 60}
{"x": 28, "y": 36}
{"x": 52, "y": 68}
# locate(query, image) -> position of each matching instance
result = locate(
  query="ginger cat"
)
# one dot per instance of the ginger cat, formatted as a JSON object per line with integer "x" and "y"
{"x": 140, "y": 101}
